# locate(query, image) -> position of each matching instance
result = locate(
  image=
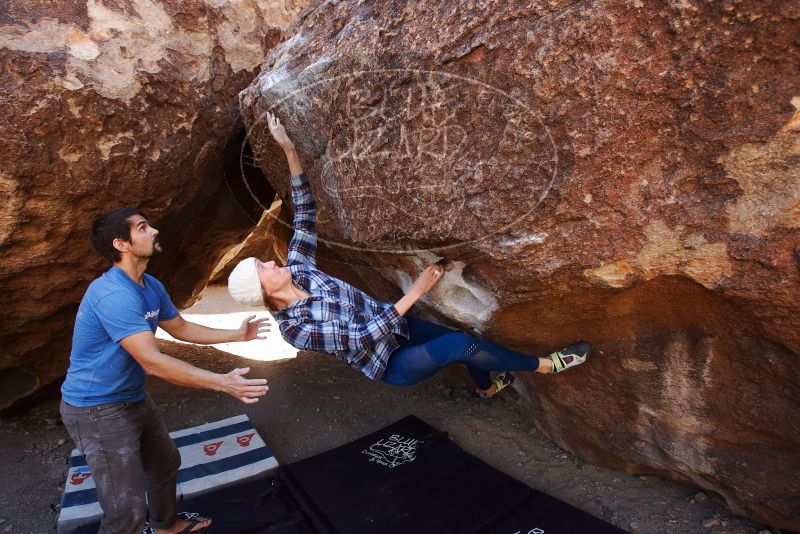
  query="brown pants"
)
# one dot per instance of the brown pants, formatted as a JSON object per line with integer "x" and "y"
{"x": 130, "y": 453}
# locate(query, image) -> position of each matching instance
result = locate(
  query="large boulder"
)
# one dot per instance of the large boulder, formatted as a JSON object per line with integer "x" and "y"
{"x": 624, "y": 172}
{"x": 108, "y": 104}
{"x": 261, "y": 243}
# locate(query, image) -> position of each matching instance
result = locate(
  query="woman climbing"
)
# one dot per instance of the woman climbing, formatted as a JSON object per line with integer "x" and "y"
{"x": 318, "y": 312}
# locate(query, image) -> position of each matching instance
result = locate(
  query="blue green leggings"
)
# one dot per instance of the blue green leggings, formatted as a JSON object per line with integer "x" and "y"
{"x": 431, "y": 347}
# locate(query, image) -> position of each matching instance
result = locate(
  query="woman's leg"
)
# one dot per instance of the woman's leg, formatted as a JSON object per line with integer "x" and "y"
{"x": 413, "y": 363}
{"x": 409, "y": 365}
{"x": 422, "y": 331}
{"x": 483, "y": 356}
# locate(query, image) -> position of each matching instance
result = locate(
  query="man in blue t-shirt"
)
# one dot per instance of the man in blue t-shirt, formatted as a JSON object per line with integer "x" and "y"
{"x": 105, "y": 407}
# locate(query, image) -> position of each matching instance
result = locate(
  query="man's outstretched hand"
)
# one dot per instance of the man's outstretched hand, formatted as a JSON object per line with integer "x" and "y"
{"x": 253, "y": 328}
{"x": 279, "y": 132}
{"x": 246, "y": 390}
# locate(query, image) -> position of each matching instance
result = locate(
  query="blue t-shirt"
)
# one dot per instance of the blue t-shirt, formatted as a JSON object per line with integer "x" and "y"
{"x": 114, "y": 307}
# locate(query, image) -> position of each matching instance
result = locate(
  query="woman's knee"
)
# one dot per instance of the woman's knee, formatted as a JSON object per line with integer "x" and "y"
{"x": 398, "y": 379}
{"x": 450, "y": 345}
{"x": 460, "y": 338}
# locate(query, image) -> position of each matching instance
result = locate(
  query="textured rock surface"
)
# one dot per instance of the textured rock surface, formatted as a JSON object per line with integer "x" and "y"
{"x": 623, "y": 172}
{"x": 260, "y": 244}
{"x": 105, "y": 104}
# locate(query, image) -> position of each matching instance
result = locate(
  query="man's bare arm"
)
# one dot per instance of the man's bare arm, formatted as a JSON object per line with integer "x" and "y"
{"x": 144, "y": 349}
{"x": 184, "y": 330}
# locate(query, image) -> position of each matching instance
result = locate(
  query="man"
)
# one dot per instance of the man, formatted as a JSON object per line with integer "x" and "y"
{"x": 105, "y": 408}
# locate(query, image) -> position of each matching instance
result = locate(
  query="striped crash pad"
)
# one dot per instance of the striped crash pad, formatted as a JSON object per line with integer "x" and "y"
{"x": 213, "y": 455}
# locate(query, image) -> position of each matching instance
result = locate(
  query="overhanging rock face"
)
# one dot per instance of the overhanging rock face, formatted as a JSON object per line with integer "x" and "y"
{"x": 621, "y": 172}
{"x": 111, "y": 104}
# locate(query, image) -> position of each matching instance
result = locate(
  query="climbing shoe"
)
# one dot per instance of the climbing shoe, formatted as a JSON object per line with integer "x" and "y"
{"x": 571, "y": 356}
{"x": 501, "y": 381}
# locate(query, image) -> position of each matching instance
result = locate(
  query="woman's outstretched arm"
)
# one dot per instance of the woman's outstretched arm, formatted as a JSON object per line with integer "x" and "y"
{"x": 303, "y": 246}
{"x": 294, "y": 161}
{"x": 424, "y": 283}
{"x": 282, "y": 138}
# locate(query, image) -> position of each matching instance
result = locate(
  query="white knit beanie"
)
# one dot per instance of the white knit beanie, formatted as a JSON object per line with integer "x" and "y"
{"x": 244, "y": 284}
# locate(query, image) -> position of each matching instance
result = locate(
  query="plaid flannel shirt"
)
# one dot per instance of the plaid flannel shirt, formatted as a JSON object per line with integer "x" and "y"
{"x": 337, "y": 317}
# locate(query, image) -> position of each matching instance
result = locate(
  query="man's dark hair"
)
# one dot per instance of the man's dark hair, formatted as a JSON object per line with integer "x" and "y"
{"x": 109, "y": 226}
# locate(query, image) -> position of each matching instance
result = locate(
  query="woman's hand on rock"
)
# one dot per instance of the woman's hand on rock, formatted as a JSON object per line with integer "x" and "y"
{"x": 279, "y": 132}
{"x": 427, "y": 279}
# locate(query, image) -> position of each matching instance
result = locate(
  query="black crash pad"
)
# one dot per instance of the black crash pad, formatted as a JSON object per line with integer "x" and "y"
{"x": 256, "y": 506}
{"x": 409, "y": 477}
{"x": 406, "y": 478}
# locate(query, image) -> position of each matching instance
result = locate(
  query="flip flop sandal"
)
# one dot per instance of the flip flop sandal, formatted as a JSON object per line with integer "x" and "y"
{"x": 193, "y": 518}
{"x": 501, "y": 381}
{"x": 572, "y": 356}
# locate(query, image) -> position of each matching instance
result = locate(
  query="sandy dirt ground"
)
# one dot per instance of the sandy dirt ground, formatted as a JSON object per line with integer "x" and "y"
{"x": 316, "y": 403}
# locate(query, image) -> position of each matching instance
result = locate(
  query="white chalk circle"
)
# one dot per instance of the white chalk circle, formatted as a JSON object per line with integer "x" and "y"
{"x": 407, "y": 163}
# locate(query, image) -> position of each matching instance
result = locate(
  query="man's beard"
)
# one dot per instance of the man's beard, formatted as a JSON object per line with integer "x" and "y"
{"x": 154, "y": 252}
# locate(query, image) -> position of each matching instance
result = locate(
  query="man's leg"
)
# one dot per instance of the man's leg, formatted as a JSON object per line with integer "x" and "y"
{"x": 161, "y": 461}
{"x": 108, "y": 435}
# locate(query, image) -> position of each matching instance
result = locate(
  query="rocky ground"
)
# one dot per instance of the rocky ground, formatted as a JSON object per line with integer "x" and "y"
{"x": 316, "y": 403}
